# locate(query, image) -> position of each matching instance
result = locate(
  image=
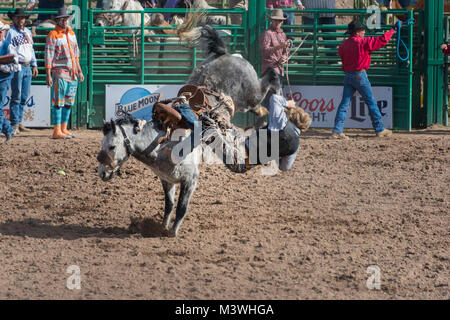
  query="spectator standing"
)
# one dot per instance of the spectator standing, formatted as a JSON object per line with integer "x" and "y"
{"x": 285, "y": 4}
{"x": 5, "y": 79}
{"x": 63, "y": 72}
{"x": 22, "y": 42}
{"x": 274, "y": 44}
{"x": 355, "y": 55}
{"x": 45, "y": 5}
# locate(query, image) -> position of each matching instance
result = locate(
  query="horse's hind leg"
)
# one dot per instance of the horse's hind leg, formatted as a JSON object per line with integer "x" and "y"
{"x": 169, "y": 198}
{"x": 186, "y": 191}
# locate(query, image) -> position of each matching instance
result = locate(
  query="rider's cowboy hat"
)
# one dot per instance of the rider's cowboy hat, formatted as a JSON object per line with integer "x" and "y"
{"x": 18, "y": 13}
{"x": 355, "y": 26}
{"x": 277, "y": 14}
{"x": 62, "y": 13}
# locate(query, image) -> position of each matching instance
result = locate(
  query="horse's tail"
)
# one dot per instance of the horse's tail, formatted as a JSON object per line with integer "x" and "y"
{"x": 212, "y": 40}
{"x": 206, "y": 36}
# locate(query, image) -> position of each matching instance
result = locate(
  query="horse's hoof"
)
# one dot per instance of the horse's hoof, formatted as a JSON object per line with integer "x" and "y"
{"x": 171, "y": 233}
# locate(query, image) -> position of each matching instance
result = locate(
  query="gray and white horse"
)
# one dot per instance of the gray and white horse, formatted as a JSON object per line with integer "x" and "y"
{"x": 122, "y": 140}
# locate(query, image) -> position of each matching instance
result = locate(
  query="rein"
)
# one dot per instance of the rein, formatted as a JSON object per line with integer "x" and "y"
{"x": 127, "y": 142}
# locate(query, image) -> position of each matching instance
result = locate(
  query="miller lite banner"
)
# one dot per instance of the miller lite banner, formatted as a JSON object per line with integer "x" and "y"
{"x": 321, "y": 102}
{"x": 36, "y": 113}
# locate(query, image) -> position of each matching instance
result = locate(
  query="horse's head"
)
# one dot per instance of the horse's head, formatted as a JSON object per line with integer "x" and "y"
{"x": 115, "y": 150}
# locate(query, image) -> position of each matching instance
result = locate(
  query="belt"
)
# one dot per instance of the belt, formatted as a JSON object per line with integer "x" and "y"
{"x": 25, "y": 64}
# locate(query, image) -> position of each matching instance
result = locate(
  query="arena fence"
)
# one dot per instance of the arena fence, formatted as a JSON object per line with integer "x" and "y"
{"x": 111, "y": 55}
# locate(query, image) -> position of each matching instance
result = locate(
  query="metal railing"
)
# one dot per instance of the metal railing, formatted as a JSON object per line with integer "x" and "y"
{"x": 112, "y": 55}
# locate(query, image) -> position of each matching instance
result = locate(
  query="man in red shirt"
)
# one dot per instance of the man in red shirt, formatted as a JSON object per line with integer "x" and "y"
{"x": 355, "y": 55}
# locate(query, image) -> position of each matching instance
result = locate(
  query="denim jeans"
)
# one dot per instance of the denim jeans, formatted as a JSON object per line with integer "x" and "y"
{"x": 20, "y": 91}
{"x": 357, "y": 81}
{"x": 5, "y": 126}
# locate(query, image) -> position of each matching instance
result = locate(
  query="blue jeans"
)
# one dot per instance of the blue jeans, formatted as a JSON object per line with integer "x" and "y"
{"x": 191, "y": 120}
{"x": 20, "y": 91}
{"x": 5, "y": 126}
{"x": 357, "y": 81}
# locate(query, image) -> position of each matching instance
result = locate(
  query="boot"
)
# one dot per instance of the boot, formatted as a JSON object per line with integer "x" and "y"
{"x": 23, "y": 129}
{"x": 16, "y": 130}
{"x": 64, "y": 130}
{"x": 342, "y": 136}
{"x": 384, "y": 133}
{"x": 9, "y": 136}
{"x": 57, "y": 133}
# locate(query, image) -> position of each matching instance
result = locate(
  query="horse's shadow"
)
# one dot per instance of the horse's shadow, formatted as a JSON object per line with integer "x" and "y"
{"x": 44, "y": 229}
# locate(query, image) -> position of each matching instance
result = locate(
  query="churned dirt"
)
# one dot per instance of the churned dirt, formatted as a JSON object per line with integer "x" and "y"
{"x": 309, "y": 233}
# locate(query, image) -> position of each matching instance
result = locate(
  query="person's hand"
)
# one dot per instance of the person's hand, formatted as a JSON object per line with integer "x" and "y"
{"x": 284, "y": 45}
{"x": 81, "y": 77}
{"x": 398, "y": 25}
{"x": 49, "y": 81}
{"x": 444, "y": 46}
{"x": 290, "y": 104}
{"x": 300, "y": 7}
{"x": 35, "y": 72}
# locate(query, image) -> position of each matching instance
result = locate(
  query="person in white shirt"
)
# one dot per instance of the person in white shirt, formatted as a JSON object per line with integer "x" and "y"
{"x": 21, "y": 40}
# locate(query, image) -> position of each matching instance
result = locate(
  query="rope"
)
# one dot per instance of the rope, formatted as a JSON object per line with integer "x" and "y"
{"x": 401, "y": 42}
{"x": 289, "y": 58}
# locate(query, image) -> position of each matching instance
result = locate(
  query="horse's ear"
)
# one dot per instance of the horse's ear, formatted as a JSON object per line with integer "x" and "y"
{"x": 113, "y": 127}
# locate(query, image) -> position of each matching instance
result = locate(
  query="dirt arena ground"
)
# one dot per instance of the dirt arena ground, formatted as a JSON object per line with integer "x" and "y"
{"x": 310, "y": 233}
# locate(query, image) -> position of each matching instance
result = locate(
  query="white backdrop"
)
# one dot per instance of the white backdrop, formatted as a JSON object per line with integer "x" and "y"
{"x": 37, "y": 110}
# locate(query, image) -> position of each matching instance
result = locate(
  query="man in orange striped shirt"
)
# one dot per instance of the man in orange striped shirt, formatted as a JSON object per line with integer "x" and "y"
{"x": 63, "y": 72}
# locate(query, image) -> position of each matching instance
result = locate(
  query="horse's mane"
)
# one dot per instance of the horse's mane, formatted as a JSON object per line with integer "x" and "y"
{"x": 124, "y": 120}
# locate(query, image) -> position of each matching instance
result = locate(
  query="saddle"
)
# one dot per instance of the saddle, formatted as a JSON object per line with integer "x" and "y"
{"x": 195, "y": 96}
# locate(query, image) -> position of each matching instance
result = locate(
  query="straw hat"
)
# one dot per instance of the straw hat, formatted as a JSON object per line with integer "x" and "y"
{"x": 277, "y": 14}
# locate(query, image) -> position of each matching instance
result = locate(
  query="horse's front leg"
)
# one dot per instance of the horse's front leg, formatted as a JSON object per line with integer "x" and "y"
{"x": 187, "y": 188}
{"x": 169, "y": 198}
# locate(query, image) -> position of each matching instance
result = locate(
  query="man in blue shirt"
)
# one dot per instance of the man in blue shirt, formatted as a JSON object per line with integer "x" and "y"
{"x": 45, "y": 5}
